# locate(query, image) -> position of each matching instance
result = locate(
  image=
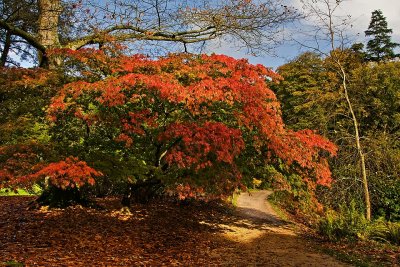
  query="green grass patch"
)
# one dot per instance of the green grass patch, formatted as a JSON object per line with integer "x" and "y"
{"x": 276, "y": 206}
{"x": 253, "y": 190}
{"x": 12, "y": 264}
{"x": 36, "y": 190}
{"x": 10, "y": 192}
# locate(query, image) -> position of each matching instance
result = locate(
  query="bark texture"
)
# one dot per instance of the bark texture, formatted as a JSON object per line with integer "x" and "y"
{"x": 50, "y": 11}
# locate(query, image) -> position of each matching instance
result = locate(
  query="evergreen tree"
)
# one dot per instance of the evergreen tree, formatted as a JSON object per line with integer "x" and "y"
{"x": 380, "y": 47}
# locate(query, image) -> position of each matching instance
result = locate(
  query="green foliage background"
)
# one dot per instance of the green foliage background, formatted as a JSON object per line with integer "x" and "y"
{"x": 312, "y": 97}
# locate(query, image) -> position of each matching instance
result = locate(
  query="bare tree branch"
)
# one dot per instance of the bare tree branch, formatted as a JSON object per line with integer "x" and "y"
{"x": 23, "y": 34}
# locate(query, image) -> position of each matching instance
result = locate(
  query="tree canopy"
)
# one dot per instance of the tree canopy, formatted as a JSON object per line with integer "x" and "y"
{"x": 196, "y": 123}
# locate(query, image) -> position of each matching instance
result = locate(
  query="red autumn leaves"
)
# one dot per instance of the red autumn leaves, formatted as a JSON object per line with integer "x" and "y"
{"x": 197, "y": 141}
{"x": 203, "y": 110}
{"x": 70, "y": 172}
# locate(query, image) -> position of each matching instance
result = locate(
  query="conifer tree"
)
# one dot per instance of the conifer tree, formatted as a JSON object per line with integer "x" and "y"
{"x": 380, "y": 47}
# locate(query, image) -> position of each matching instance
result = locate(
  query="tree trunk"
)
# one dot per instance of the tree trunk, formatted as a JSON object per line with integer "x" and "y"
{"x": 55, "y": 197}
{"x": 358, "y": 146}
{"x": 7, "y": 45}
{"x": 343, "y": 74}
{"x": 142, "y": 192}
{"x": 49, "y": 11}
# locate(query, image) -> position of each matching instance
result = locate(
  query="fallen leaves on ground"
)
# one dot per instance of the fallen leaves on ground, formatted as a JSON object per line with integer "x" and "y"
{"x": 154, "y": 234}
{"x": 157, "y": 234}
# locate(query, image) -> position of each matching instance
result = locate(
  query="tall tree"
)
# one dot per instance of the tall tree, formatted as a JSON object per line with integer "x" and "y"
{"x": 330, "y": 28}
{"x": 48, "y": 24}
{"x": 253, "y": 24}
{"x": 380, "y": 47}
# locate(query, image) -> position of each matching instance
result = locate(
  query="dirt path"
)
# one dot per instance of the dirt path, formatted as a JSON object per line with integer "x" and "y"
{"x": 261, "y": 238}
{"x": 255, "y": 206}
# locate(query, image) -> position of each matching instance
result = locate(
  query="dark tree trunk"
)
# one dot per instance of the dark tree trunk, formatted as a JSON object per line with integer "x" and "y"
{"x": 142, "y": 192}
{"x": 6, "y": 50}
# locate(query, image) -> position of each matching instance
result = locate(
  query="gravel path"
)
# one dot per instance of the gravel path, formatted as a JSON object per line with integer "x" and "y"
{"x": 263, "y": 239}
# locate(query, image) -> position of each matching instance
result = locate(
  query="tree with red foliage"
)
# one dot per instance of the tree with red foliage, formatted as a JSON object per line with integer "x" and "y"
{"x": 21, "y": 167}
{"x": 193, "y": 123}
{"x": 66, "y": 173}
{"x": 28, "y": 156}
{"x": 198, "y": 125}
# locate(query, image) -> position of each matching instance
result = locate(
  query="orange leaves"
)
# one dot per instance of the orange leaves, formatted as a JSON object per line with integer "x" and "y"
{"x": 138, "y": 120}
{"x": 310, "y": 145}
{"x": 304, "y": 149}
{"x": 17, "y": 161}
{"x": 124, "y": 138}
{"x": 180, "y": 79}
{"x": 112, "y": 96}
{"x": 13, "y": 77}
{"x": 56, "y": 106}
{"x": 84, "y": 55}
{"x": 199, "y": 141}
{"x": 311, "y": 139}
{"x": 201, "y": 113}
{"x": 187, "y": 191}
{"x": 23, "y": 168}
{"x": 67, "y": 173}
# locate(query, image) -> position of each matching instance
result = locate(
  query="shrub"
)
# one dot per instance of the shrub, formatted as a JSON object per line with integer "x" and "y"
{"x": 384, "y": 231}
{"x": 394, "y": 232}
{"x": 348, "y": 222}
